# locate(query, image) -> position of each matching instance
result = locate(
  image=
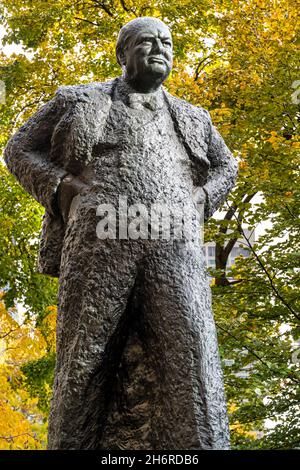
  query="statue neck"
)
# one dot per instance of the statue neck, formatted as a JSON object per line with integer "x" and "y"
{"x": 139, "y": 86}
{"x": 127, "y": 88}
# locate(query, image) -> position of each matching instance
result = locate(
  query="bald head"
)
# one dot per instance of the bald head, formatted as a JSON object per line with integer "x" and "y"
{"x": 145, "y": 51}
{"x": 130, "y": 29}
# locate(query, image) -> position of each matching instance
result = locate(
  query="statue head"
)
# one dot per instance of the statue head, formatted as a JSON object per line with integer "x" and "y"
{"x": 145, "y": 52}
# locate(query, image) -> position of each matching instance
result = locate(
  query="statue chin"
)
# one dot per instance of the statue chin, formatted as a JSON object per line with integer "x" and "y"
{"x": 154, "y": 76}
{"x": 158, "y": 68}
{"x": 152, "y": 73}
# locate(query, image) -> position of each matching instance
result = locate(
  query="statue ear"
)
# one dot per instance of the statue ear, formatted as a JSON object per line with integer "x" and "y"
{"x": 121, "y": 57}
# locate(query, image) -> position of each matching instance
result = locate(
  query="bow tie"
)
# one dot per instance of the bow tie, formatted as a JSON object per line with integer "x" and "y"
{"x": 148, "y": 100}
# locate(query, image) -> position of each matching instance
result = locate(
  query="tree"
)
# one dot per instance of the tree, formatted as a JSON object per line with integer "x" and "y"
{"x": 239, "y": 59}
{"x": 23, "y": 420}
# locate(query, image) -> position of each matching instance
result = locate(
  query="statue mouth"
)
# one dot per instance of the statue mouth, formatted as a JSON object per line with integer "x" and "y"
{"x": 158, "y": 60}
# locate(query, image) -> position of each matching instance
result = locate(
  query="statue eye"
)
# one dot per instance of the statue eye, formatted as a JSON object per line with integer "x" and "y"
{"x": 145, "y": 39}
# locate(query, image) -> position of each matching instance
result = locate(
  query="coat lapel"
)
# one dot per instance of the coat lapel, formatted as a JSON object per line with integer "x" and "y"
{"x": 192, "y": 124}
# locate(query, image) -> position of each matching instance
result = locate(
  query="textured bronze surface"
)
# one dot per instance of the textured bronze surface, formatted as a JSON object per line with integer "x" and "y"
{"x": 137, "y": 355}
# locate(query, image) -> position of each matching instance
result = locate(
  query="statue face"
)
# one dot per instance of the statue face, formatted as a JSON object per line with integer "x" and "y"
{"x": 149, "y": 54}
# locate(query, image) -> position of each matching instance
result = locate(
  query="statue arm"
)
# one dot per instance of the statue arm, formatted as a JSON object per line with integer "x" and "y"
{"x": 27, "y": 154}
{"x": 222, "y": 173}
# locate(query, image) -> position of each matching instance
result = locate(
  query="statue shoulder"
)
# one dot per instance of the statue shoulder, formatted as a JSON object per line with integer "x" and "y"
{"x": 73, "y": 93}
{"x": 188, "y": 108}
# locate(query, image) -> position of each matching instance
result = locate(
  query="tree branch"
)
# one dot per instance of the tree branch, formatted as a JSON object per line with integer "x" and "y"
{"x": 198, "y": 70}
{"x": 104, "y": 7}
{"x": 273, "y": 286}
{"x": 87, "y": 21}
{"x": 259, "y": 358}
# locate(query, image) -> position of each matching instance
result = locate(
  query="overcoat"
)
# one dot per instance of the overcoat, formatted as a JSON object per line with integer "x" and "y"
{"x": 59, "y": 139}
{"x": 137, "y": 363}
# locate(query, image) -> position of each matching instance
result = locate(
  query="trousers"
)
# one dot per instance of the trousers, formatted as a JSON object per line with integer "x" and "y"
{"x": 137, "y": 355}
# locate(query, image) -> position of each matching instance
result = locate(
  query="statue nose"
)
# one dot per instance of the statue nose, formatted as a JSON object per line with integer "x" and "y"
{"x": 158, "y": 46}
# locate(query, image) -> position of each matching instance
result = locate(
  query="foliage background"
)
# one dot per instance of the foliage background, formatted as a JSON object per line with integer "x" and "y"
{"x": 238, "y": 59}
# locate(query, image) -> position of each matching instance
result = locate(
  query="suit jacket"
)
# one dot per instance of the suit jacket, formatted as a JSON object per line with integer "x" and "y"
{"x": 59, "y": 139}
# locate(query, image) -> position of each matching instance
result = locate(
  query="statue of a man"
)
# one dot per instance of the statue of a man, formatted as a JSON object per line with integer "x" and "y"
{"x": 137, "y": 355}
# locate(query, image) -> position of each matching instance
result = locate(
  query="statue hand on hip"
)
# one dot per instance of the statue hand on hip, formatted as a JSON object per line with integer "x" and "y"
{"x": 68, "y": 189}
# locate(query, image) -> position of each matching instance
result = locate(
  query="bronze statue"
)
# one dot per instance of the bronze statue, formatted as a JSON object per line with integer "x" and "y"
{"x": 137, "y": 355}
